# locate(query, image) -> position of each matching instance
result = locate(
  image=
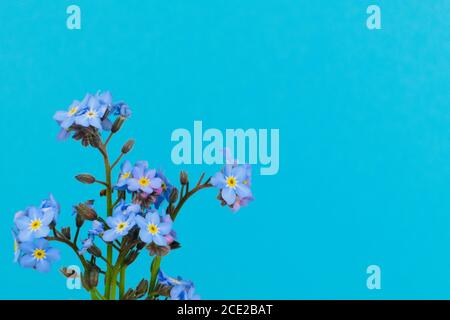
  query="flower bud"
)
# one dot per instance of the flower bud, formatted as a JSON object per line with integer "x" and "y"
{"x": 117, "y": 124}
{"x": 103, "y": 193}
{"x": 95, "y": 140}
{"x": 93, "y": 277}
{"x": 141, "y": 288}
{"x": 173, "y": 196}
{"x": 86, "y": 212}
{"x": 129, "y": 295}
{"x": 95, "y": 251}
{"x": 184, "y": 178}
{"x": 66, "y": 232}
{"x": 79, "y": 221}
{"x": 128, "y": 146}
{"x": 131, "y": 257}
{"x": 85, "y": 178}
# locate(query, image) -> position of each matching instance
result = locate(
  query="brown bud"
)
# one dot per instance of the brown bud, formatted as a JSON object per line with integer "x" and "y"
{"x": 85, "y": 178}
{"x": 117, "y": 124}
{"x": 86, "y": 212}
{"x": 66, "y": 232}
{"x": 141, "y": 288}
{"x": 95, "y": 251}
{"x": 173, "y": 196}
{"x": 131, "y": 257}
{"x": 103, "y": 193}
{"x": 129, "y": 295}
{"x": 92, "y": 277}
{"x": 79, "y": 221}
{"x": 128, "y": 146}
{"x": 184, "y": 178}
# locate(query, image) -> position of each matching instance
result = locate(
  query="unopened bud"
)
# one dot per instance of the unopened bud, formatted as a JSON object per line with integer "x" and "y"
{"x": 66, "y": 232}
{"x": 103, "y": 193}
{"x": 131, "y": 257}
{"x": 85, "y": 178}
{"x": 93, "y": 277}
{"x": 173, "y": 196}
{"x": 129, "y": 295}
{"x": 128, "y": 146}
{"x": 95, "y": 251}
{"x": 141, "y": 288}
{"x": 184, "y": 178}
{"x": 117, "y": 124}
{"x": 86, "y": 212}
{"x": 79, "y": 221}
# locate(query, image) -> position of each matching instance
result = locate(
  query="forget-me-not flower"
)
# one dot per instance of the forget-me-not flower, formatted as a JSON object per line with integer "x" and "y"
{"x": 152, "y": 229}
{"x": 33, "y": 223}
{"x": 38, "y": 255}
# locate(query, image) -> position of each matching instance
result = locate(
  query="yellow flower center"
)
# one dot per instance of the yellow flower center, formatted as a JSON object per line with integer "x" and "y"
{"x": 126, "y": 175}
{"x": 231, "y": 182}
{"x": 73, "y": 110}
{"x": 39, "y": 254}
{"x": 152, "y": 228}
{"x": 163, "y": 186}
{"x": 144, "y": 181}
{"x": 35, "y": 225}
{"x": 91, "y": 114}
{"x": 120, "y": 226}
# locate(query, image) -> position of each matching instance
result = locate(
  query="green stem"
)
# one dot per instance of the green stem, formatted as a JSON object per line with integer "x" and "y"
{"x": 122, "y": 282}
{"x": 154, "y": 273}
{"x": 109, "y": 208}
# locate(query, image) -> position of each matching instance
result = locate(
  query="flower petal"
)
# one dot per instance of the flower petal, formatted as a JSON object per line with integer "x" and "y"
{"x": 228, "y": 195}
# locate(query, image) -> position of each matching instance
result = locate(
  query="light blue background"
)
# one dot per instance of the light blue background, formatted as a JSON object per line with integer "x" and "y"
{"x": 363, "y": 117}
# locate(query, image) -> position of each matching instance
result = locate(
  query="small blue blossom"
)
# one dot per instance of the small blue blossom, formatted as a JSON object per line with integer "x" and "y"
{"x": 92, "y": 114}
{"x": 181, "y": 289}
{"x": 67, "y": 118}
{"x": 233, "y": 183}
{"x": 119, "y": 227}
{"x": 38, "y": 255}
{"x": 97, "y": 228}
{"x": 126, "y": 209}
{"x": 152, "y": 229}
{"x": 183, "y": 293}
{"x": 33, "y": 223}
{"x": 166, "y": 189}
{"x": 143, "y": 179}
{"x": 125, "y": 173}
{"x": 51, "y": 204}
{"x": 85, "y": 245}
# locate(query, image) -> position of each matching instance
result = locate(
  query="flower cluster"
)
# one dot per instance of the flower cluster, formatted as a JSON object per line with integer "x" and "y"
{"x": 88, "y": 117}
{"x": 141, "y": 208}
{"x": 179, "y": 289}
{"x": 234, "y": 182}
{"x": 32, "y": 226}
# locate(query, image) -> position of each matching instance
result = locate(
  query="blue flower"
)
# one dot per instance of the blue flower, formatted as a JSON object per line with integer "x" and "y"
{"x": 183, "y": 293}
{"x": 33, "y": 223}
{"x": 51, "y": 204}
{"x": 97, "y": 228}
{"x": 85, "y": 245}
{"x": 166, "y": 189}
{"x": 16, "y": 246}
{"x": 233, "y": 183}
{"x": 119, "y": 227}
{"x": 126, "y": 209}
{"x": 143, "y": 179}
{"x": 67, "y": 118}
{"x": 152, "y": 229}
{"x": 181, "y": 289}
{"x": 92, "y": 114}
{"x": 38, "y": 255}
{"x": 125, "y": 173}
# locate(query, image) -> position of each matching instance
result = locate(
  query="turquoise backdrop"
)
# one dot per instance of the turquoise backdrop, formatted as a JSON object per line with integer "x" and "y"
{"x": 364, "y": 136}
